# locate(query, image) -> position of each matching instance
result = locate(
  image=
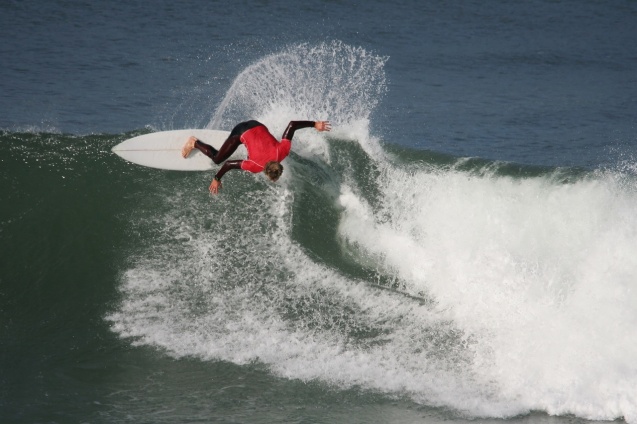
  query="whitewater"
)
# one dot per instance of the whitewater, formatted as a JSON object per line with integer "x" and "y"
{"x": 471, "y": 287}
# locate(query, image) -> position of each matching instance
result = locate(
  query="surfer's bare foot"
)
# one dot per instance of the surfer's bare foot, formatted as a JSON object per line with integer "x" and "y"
{"x": 190, "y": 144}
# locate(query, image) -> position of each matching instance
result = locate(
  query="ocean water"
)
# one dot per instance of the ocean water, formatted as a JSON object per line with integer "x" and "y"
{"x": 462, "y": 247}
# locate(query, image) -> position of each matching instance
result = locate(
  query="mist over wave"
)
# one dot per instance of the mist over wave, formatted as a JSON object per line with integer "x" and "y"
{"x": 314, "y": 82}
{"x": 502, "y": 293}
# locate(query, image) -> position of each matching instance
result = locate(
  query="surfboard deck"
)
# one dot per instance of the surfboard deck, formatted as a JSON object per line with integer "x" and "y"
{"x": 162, "y": 149}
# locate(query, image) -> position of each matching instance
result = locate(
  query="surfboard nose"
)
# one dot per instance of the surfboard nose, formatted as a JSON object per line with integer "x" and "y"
{"x": 162, "y": 149}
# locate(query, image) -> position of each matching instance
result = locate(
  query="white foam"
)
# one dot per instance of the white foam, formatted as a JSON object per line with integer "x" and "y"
{"x": 542, "y": 275}
{"x": 528, "y": 285}
{"x": 530, "y": 313}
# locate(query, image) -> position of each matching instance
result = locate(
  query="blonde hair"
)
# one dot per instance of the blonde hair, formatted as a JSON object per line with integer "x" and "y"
{"x": 273, "y": 170}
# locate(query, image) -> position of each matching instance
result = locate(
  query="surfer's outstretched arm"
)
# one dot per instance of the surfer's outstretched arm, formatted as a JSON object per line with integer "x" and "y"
{"x": 297, "y": 125}
{"x": 215, "y": 185}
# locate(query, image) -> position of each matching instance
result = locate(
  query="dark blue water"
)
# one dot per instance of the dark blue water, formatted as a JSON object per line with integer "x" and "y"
{"x": 460, "y": 247}
{"x": 538, "y": 82}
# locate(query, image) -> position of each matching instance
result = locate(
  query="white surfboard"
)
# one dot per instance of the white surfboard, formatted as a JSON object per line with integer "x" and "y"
{"x": 163, "y": 149}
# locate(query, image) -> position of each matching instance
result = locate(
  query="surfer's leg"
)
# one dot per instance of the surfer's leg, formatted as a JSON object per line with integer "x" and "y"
{"x": 217, "y": 156}
{"x": 231, "y": 144}
{"x": 204, "y": 148}
{"x": 242, "y": 127}
{"x": 226, "y": 150}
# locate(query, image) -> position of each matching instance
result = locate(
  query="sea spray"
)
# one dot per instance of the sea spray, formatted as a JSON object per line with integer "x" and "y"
{"x": 329, "y": 81}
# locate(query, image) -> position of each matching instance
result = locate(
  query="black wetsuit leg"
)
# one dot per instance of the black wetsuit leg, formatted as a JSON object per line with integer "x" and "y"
{"x": 218, "y": 156}
{"x": 242, "y": 127}
{"x": 229, "y": 146}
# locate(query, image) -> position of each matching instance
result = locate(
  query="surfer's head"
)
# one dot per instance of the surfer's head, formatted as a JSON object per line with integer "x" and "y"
{"x": 273, "y": 170}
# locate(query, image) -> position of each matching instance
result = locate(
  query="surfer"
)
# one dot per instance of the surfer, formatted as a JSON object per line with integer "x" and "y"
{"x": 265, "y": 153}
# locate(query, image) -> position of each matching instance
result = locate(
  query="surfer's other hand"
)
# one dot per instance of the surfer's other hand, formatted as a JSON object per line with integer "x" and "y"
{"x": 215, "y": 186}
{"x": 323, "y": 125}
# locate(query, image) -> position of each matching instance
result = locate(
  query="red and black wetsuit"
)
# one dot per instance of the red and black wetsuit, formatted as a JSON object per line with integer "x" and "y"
{"x": 261, "y": 145}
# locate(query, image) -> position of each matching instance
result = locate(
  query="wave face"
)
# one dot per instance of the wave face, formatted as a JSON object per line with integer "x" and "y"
{"x": 482, "y": 287}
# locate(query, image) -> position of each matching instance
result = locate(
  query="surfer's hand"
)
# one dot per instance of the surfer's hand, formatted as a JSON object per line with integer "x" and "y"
{"x": 215, "y": 186}
{"x": 323, "y": 125}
